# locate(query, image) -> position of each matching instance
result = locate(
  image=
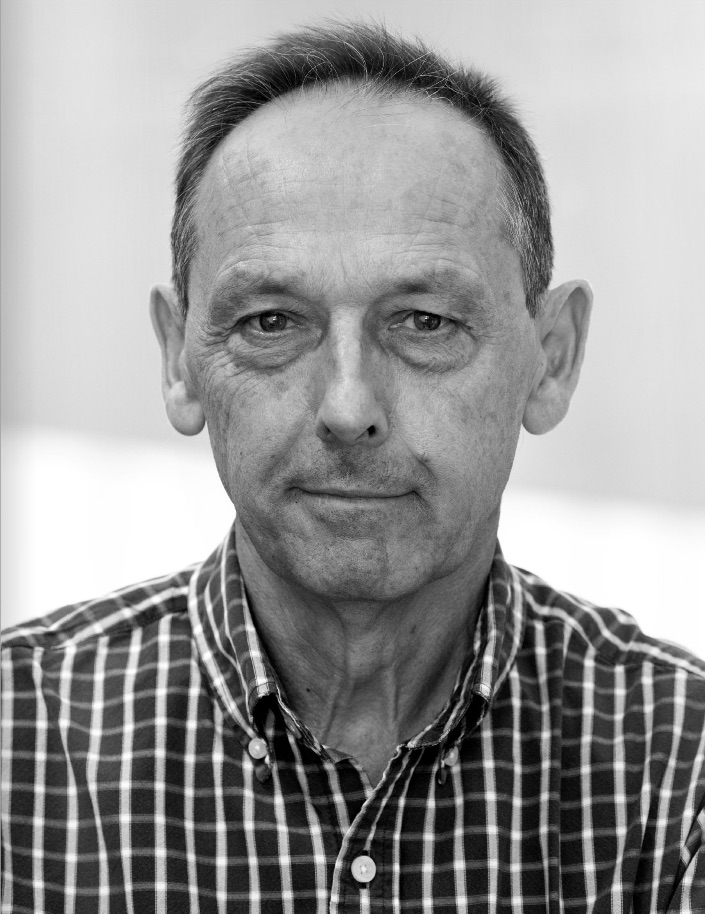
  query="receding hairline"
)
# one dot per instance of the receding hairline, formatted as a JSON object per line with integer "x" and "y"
{"x": 349, "y": 91}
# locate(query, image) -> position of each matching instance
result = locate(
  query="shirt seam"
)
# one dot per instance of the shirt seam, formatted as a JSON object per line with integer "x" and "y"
{"x": 146, "y": 617}
{"x": 629, "y": 661}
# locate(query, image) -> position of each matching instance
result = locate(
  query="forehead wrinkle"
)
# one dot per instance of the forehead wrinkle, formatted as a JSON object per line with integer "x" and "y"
{"x": 218, "y": 210}
{"x": 256, "y": 206}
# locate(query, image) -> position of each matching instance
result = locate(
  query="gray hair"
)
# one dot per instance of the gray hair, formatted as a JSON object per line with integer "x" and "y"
{"x": 368, "y": 55}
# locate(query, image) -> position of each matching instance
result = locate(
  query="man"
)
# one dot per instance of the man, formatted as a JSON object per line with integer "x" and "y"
{"x": 355, "y": 704}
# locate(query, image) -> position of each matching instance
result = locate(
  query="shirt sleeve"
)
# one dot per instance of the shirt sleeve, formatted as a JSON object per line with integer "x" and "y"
{"x": 689, "y": 890}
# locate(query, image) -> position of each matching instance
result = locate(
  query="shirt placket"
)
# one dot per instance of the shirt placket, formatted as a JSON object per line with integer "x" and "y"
{"x": 365, "y": 876}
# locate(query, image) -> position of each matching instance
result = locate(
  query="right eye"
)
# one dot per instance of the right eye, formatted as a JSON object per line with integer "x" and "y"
{"x": 270, "y": 321}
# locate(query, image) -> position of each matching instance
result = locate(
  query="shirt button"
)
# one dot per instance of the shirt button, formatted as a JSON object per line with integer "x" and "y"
{"x": 257, "y": 748}
{"x": 363, "y": 869}
{"x": 451, "y": 757}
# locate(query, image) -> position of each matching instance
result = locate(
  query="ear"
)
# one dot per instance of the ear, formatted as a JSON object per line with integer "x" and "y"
{"x": 182, "y": 405}
{"x": 562, "y": 325}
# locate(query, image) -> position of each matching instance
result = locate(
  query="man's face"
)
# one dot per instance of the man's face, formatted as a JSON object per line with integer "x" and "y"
{"x": 358, "y": 339}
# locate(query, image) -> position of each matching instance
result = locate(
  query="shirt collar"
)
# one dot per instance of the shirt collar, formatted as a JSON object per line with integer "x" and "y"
{"x": 242, "y": 676}
{"x": 496, "y": 640}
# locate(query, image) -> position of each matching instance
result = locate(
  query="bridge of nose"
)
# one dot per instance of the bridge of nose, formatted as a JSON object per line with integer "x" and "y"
{"x": 351, "y": 408}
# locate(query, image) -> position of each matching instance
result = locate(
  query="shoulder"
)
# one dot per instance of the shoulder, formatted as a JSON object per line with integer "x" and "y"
{"x": 609, "y": 677}
{"x": 112, "y": 616}
{"x": 605, "y": 636}
{"x": 628, "y": 702}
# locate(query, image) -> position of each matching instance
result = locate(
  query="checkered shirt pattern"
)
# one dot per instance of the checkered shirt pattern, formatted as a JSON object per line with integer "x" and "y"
{"x": 578, "y": 783}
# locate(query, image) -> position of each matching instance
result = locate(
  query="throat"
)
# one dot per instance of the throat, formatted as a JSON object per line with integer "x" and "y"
{"x": 375, "y": 764}
{"x": 372, "y": 748}
{"x": 370, "y": 732}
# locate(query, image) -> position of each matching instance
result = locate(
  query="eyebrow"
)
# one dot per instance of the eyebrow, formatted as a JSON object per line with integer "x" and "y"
{"x": 242, "y": 282}
{"x": 448, "y": 279}
{"x": 251, "y": 282}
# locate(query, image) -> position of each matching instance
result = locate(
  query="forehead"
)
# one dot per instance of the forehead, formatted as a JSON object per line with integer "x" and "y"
{"x": 342, "y": 173}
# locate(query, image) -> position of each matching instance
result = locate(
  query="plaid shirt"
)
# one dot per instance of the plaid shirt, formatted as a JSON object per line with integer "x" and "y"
{"x": 151, "y": 763}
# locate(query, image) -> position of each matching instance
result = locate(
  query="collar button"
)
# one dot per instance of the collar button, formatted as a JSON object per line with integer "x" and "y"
{"x": 257, "y": 748}
{"x": 451, "y": 757}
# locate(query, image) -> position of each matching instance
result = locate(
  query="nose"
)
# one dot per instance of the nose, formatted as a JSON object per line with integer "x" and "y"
{"x": 351, "y": 411}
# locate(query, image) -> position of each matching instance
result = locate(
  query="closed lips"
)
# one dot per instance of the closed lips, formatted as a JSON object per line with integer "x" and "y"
{"x": 354, "y": 493}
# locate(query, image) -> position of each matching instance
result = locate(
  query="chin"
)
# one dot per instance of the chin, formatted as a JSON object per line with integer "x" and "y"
{"x": 348, "y": 588}
{"x": 352, "y": 561}
{"x": 355, "y": 573}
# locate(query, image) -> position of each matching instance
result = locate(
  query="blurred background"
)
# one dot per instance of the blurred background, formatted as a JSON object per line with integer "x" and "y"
{"x": 98, "y": 491}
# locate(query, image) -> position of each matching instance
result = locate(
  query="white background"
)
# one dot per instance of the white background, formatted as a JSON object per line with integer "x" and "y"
{"x": 610, "y": 505}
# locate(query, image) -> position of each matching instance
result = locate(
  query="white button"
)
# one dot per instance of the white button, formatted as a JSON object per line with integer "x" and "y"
{"x": 451, "y": 756}
{"x": 363, "y": 869}
{"x": 257, "y": 748}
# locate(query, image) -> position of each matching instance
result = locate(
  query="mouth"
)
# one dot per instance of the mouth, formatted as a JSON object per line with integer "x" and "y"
{"x": 355, "y": 494}
{"x": 352, "y": 510}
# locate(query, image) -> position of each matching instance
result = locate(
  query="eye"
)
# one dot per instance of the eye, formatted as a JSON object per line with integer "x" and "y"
{"x": 426, "y": 322}
{"x": 272, "y": 321}
{"x": 423, "y": 320}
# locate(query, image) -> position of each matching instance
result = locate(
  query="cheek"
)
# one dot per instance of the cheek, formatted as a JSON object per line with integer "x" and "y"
{"x": 252, "y": 423}
{"x": 464, "y": 431}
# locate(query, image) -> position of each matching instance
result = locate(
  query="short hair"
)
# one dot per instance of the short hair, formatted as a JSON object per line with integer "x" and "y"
{"x": 368, "y": 55}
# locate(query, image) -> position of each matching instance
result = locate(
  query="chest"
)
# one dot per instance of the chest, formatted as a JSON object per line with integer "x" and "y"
{"x": 531, "y": 812}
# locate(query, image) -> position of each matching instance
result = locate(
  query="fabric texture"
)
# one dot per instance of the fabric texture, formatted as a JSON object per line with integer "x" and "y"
{"x": 131, "y": 783}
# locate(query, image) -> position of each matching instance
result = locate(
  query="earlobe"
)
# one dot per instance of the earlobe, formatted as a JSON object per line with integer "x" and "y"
{"x": 182, "y": 405}
{"x": 562, "y": 325}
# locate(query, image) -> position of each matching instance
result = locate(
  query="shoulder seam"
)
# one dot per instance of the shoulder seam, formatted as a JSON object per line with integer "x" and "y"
{"x": 630, "y": 654}
{"x": 121, "y": 618}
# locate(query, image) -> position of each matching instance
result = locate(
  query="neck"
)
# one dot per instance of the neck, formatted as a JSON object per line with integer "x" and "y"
{"x": 365, "y": 676}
